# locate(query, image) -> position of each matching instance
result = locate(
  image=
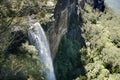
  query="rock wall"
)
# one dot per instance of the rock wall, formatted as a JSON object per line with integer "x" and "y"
{"x": 63, "y": 11}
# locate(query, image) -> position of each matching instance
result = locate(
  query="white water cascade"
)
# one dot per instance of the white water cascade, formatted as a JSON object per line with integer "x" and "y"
{"x": 38, "y": 38}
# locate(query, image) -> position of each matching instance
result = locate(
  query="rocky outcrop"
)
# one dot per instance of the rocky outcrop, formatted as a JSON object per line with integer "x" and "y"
{"x": 63, "y": 11}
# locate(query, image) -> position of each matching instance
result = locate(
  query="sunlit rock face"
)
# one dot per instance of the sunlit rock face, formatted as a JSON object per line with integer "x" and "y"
{"x": 63, "y": 10}
{"x": 38, "y": 38}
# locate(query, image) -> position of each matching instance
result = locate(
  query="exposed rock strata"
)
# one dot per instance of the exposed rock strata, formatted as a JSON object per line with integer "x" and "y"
{"x": 63, "y": 11}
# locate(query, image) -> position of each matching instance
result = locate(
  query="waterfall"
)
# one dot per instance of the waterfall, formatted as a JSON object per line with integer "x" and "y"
{"x": 38, "y": 38}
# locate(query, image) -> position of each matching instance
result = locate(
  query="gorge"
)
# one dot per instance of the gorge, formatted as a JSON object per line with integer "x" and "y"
{"x": 59, "y": 40}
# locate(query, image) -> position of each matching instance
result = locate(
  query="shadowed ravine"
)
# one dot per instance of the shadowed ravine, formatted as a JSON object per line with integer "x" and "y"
{"x": 38, "y": 38}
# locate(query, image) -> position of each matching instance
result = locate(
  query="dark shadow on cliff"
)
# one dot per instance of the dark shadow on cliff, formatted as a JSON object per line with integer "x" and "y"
{"x": 68, "y": 64}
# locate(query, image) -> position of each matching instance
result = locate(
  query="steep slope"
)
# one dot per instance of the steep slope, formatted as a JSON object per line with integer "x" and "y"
{"x": 67, "y": 61}
{"x": 63, "y": 11}
{"x": 18, "y": 59}
{"x": 84, "y": 42}
{"x": 101, "y": 34}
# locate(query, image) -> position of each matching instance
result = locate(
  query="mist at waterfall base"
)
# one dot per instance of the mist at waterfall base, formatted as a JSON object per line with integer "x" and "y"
{"x": 38, "y": 38}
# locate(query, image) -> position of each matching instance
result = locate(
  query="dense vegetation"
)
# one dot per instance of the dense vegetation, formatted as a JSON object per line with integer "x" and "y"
{"x": 67, "y": 63}
{"x": 99, "y": 60}
{"x": 18, "y": 59}
{"x": 101, "y": 57}
{"x": 96, "y": 57}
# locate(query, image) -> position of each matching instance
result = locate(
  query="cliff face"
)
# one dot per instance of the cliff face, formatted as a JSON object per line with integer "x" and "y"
{"x": 99, "y": 30}
{"x": 63, "y": 11}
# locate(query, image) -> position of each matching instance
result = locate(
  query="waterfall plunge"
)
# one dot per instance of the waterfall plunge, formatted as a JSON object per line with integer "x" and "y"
{"x": 38, "y": 38}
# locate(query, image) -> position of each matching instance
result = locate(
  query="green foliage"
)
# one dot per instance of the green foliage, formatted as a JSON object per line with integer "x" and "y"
{"x": 96, "y": 70}
{"x": 29, "y": 49}
{"x": 114, "y": 76}
{"x": 3, "y": 11}
{"x": 81, "y": 78}
{"x": 101, "y": 56}
{"x": 22, "y": 65}
{"x": 23, "y": 7}
{"x": 67, "y": 63}
{"x": 112, "y": 60}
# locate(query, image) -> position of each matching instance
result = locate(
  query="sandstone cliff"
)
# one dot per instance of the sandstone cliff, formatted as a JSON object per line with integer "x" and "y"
{"x": 63, "y": 11}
